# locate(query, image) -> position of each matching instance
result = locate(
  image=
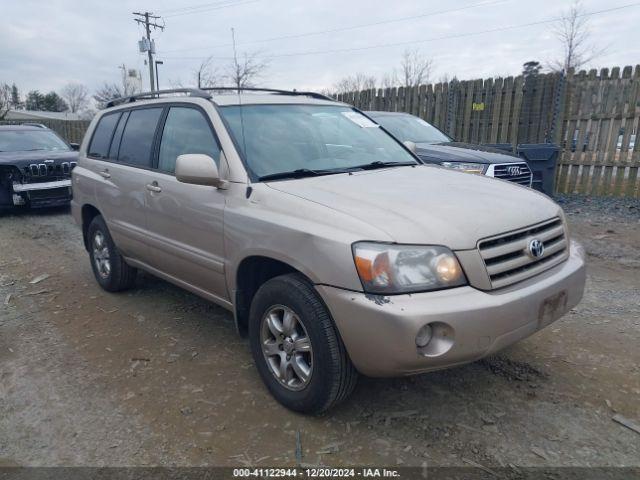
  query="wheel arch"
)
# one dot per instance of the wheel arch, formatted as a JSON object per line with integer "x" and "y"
{"x": 88, "y": 212}
{"x": 252, "y": 272}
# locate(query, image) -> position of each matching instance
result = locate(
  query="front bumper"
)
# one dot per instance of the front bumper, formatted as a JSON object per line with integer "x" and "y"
{"x": 42, "y": 194}
{"x": 380, "y": 332}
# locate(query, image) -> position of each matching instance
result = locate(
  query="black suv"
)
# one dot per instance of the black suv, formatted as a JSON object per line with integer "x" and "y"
{"x": 433, "y": 146}
{"x": 35, "y": 166}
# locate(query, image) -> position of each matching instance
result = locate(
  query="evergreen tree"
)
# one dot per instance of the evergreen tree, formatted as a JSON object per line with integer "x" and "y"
{"x": 51, "y": 102}
{"x": 16, "y": 102}
{"x": 35, "y": 100}
{"x": 54, "y": 103}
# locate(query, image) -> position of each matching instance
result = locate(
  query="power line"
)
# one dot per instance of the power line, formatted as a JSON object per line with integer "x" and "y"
{"x": 351, "y": 27}
{"x": 210, "y": 9}
{"x": 195, "y": 7}
{"x": 432, "y": 39}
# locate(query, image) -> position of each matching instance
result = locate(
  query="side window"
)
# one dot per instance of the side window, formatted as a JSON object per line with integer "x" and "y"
{"x": 99, "y": 147}
{"x": 117, "y": 136}
{"x": 137, "y": 138}
{"x": 186, "y": 130}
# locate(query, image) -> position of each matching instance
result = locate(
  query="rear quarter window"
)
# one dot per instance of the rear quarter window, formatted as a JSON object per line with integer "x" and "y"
{"x": 101, "y": 140}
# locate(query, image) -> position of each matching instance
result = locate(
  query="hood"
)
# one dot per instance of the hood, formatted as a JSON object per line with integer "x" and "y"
{"x": 24, "y": 159}
{"x": 463, "y": 152}
{"x": 427, "y": 204}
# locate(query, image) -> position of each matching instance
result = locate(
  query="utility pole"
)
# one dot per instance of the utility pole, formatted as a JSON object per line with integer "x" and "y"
{"x": 156, "y": 63}
{"x": 125, "y": 89}
{"x": 148, "y": 20}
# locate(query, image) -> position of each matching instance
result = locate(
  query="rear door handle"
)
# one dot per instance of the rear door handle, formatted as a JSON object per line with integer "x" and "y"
{"x": 154, "y": 187}
{"x": 105, "y": 173}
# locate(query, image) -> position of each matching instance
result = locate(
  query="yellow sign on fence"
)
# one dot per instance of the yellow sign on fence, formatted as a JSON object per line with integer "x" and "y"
{"x": 478, "y": 107}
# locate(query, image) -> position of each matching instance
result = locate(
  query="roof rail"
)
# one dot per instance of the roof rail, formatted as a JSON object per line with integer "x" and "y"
{"x": 33, "y": 124}
{"x": 192, "y": 92}
{"x": 270, "y": 90}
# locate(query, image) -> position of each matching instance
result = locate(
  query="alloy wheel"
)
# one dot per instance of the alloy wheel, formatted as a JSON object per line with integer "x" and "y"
{"x": 286, "y": 347}
{"x": 101, "y": 254}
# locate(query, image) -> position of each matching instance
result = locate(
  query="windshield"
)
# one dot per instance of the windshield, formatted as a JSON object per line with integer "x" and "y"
{"x": 310, "y": 139}
{"x": 28, "y": 140}
{"x": 414, "y": 129}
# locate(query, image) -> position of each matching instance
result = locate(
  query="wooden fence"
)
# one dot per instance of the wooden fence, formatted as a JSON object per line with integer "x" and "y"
{"x": 601, "y": 155}
{"x": 593, "y": 118}
{"x": 71, "y": 130}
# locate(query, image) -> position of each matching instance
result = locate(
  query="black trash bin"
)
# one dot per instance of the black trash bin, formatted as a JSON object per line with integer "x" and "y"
{"x": 542, "y": 159}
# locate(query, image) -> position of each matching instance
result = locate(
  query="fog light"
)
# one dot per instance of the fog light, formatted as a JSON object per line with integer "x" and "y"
{"x": 424, "y": 336}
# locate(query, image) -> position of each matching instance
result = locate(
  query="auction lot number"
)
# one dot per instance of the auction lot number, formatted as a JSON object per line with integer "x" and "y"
{"x": 314, "y": 472}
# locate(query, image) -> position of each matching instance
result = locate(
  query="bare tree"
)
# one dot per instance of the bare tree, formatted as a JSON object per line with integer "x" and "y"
{"x": 244, "y": 71}
{"x": 106, "y": 93}
{"x": 75, "y": 94}
{"x": 5, "y": 100}
{"x": 572, "y": 30}
{"x": 355, "y": 83}
{"x": 390, "y": 80}
{"x": 129, "y": 85}
{"x": 447, "y": 78}
{"x": 415, "y": 69}
{"x": 206, "y": 75}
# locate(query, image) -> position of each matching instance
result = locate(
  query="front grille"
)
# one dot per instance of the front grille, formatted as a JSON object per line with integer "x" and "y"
{"x": 41, "y": 172}
{"x": 507, "y": 256}
{"x": 50, "y": 193}
{"x": 514, "y": 172}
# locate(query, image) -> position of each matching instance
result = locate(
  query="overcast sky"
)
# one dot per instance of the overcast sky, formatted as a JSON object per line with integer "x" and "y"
{"x": 46, "y": 44}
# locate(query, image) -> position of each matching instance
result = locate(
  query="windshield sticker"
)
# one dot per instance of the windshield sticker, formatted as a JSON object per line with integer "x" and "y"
{"x": 360, "y": 120}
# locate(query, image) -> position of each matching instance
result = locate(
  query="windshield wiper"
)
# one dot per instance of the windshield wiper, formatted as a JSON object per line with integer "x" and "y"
{"x": 301, "y": 173}
{"x": 307, "y": 172}
{"x": 379, "y": 164}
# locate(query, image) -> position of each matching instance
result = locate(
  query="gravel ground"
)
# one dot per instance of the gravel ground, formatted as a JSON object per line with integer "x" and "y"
{"x": 157, "y": 376}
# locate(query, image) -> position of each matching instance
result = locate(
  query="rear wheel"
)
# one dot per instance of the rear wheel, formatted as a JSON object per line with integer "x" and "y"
{"x": 109, "y": 268}
{"x": 296, "y": 347}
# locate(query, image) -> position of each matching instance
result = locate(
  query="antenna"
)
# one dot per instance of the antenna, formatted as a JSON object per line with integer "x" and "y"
{"x": 237, "y": 80}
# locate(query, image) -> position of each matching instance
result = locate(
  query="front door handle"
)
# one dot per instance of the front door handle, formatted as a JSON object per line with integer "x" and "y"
{"x": 154, "y": 187}
{"x": 105, "y": 173}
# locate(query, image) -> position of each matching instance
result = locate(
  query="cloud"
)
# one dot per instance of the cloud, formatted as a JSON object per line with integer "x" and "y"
{"x": 47, "y": 44}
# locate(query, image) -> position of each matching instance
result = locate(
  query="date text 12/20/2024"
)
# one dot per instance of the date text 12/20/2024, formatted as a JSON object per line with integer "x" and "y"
{"x": 315, "y": 472}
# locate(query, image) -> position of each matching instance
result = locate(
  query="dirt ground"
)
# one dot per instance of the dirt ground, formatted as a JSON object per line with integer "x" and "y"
{"x": 157, "y": 376}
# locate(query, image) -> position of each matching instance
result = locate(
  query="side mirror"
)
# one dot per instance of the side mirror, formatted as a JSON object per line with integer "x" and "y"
{"x": 75, "y": 146}
{"x": 411, "y": 146}
{"x": 198, "y": 169}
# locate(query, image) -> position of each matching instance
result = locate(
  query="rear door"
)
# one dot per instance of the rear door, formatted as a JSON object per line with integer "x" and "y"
{"x": 126, "y": 172}
{"x": 185, "y": 222}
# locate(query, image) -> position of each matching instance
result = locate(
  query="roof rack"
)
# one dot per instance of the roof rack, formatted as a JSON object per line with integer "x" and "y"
{"x": 192, "y": 92}
{"x": 202, "y": 93}
{"x": 270, "y": 90}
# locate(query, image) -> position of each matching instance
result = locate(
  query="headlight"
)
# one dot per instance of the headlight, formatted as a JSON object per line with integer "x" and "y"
{"x": 388, "y": 269}
{"x": 477, "y": 168}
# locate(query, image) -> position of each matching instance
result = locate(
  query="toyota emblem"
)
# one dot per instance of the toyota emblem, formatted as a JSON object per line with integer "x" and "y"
{"x": 536, "y": 248}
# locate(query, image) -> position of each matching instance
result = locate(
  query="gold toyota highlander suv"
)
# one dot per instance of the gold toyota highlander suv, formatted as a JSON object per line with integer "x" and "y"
{"x": 335, "y": 248}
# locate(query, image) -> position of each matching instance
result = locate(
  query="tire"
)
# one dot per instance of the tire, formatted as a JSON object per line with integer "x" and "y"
{"x": 331, "y": 377}
{"x": 109, "y": 268}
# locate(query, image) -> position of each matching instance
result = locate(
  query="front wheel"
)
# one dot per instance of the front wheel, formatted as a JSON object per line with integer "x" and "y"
{"x": 296, "y": 347}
